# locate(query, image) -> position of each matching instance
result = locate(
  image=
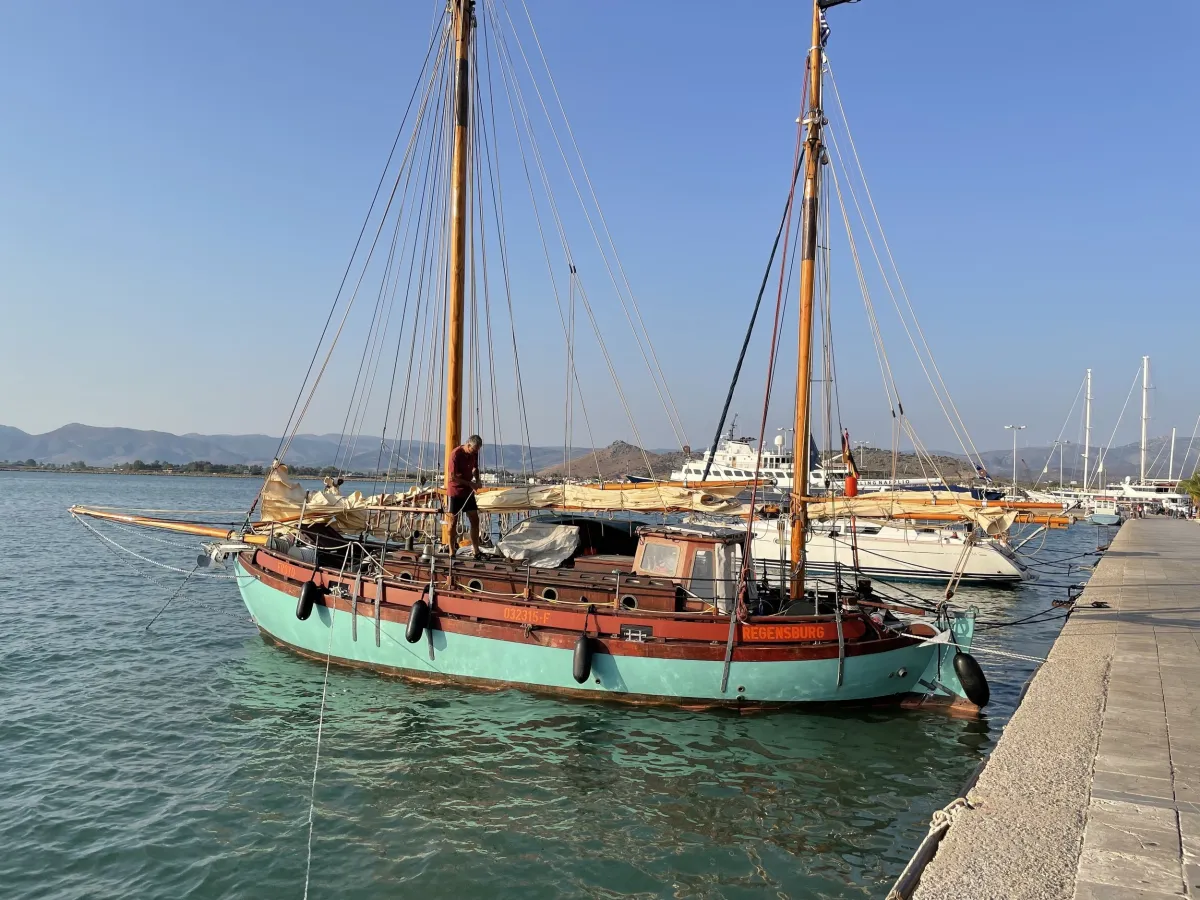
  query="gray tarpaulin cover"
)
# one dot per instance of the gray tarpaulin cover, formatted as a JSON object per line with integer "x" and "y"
{"x": 541, "y": 544}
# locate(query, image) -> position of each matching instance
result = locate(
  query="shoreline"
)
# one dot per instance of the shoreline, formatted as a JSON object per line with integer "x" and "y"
{"x": 26, "y": 469}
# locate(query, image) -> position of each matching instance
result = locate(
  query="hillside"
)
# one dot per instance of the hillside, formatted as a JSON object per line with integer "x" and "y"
{"x": 876, "y": 463}
{"x": 1119, "y": 462}
{"x": 615, "y": 461}
{"x": 112, "y": 446}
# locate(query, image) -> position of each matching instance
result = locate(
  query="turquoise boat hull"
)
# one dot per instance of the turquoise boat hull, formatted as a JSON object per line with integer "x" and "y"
{"x": 920, "y": 669}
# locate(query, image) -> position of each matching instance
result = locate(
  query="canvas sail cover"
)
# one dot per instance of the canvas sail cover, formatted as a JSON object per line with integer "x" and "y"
{"x": 614, "y": 498}
{"x": 283, "y": 500}
{"x": 890, "y": 504}
{"x": 543, "y": 545}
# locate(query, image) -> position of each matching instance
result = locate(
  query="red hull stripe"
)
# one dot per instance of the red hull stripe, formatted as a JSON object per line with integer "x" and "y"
{"x": 534, "y": 624}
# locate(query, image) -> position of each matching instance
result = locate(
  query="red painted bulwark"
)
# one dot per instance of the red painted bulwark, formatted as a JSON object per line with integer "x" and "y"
{"x": 673, "y": 635}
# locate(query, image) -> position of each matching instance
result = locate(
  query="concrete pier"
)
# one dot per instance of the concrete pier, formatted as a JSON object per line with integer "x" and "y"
{"x": 1093, "y": 791}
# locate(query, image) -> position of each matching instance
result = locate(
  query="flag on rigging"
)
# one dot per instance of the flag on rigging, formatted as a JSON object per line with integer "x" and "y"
{"x": 824, "y": 29}
{"x": 983, "y": 473}
{"x": 847, "y": 454}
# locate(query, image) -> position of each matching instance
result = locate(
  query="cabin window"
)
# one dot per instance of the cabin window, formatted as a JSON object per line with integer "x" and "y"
{"x": 702, "y": 583}
{"x": 659, "y": 559}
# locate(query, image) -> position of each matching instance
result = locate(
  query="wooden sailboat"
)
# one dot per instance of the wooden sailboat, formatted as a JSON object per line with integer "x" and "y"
{"x": 667, "y": 614}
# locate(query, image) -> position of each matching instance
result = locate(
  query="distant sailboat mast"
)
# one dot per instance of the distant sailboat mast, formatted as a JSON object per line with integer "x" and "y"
{"x": 1145, "y": 416}
{"x": 1087, "y": 427}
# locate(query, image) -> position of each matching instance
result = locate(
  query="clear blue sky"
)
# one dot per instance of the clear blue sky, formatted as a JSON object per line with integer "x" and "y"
{"x": 180, "y": 185}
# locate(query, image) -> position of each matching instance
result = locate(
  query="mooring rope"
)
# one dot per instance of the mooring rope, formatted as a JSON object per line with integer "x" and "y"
{"x": 312, "y": 797}
{"x": 138, "y": 556}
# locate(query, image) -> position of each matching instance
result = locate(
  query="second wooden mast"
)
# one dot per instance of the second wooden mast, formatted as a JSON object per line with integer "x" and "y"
{"x": 463, "y": 18}
{"x": 813, "y": 151}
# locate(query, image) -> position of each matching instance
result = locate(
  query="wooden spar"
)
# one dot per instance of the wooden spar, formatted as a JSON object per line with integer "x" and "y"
{"x": 808, "y": 259}
{"x": 212, "y": 531}
{"x": 463, "y": 18}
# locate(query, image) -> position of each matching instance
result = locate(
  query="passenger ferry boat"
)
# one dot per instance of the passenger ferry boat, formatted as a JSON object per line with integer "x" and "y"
{"x": 736, "y": 459}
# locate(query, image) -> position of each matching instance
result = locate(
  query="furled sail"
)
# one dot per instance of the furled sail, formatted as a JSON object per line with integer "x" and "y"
{"x": 912, "y": 504}
{"x": 283, "y": 501}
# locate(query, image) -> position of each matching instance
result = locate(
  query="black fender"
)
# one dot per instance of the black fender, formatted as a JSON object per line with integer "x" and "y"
{"x": 418, "y": 620}
{"x": 583, "y": 659}
{"x": 971, "y": 677}
{"x": 309, "y": 594}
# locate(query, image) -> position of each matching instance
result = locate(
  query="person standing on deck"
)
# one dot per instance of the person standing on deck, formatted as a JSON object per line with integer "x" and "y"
{"x": 464, "y": 480}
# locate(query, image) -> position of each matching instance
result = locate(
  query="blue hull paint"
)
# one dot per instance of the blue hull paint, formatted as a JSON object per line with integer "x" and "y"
{"x": 461, "y": 657}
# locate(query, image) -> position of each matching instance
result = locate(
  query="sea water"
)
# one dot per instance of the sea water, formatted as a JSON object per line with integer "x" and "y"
{"x": 179, "y": 761}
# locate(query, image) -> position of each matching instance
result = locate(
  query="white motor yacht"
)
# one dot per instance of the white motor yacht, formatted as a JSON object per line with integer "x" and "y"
{"x": 889, "y": 551}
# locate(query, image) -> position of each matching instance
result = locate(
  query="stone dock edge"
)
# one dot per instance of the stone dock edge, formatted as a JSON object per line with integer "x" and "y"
{"x": 1093, "y": 790}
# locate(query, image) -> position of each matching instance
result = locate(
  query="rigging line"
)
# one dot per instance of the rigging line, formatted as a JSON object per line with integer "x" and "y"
{"x": 1128, "y": 396}
{"x": 436, "y": 270}
{"x": 350, "y": 302}
{"x": 493, "y": 382}
{"x": 481, "y": 218}
{"x": 432, "y": 212}
{"x": 871, "y": 243}
{"x": 436, "y": 174}
{"x": 497, "y": 191}
{"x": 797, "y": 489}
{"x": 512, "y": 89}
{"x": 603, "y": 221}
{"x": 515, "y": 90}
{"x": 400, "y": 337}
{"x": 827, "y": 274}
{"x": 1189, "y": 449}
{"x": 885, "y": 368}
{"x": 784, "y": 223}
{"x": 377, "y": 347}
{"x": 138, "y": 556}
{"x": 895, "y": 268}
{"x": 178, "y": 590}
{"x": 1066, "y": 422}
{"x": 655, "y": 371}
{"x": 358, "y": 243}
{"x": 374, "y": 356}
{"x": 312, "y": 798}
{"x": 421, "y": 309}
{"x": 1157, "y": 457}
{"x": 902, "y": 424}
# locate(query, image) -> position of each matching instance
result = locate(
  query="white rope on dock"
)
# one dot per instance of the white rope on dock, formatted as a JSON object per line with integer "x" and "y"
{"x": 939, "y": 824}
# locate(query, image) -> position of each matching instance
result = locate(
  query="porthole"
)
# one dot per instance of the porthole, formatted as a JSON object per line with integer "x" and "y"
{"x": 406, "y": 576}
{"x": 475, "y": 585}
{"x": 549, "y": 594}
{"x": 629, "y": 602}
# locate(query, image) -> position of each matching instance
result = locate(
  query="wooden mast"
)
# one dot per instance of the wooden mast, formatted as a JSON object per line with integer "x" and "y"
{"x": 463, "y": 13}
{"x": 808, "y": 257}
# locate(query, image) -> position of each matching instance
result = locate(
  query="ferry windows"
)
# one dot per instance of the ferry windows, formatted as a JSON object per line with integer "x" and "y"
{"x": 702, "y": 582}
{"x": 659, "y": 559}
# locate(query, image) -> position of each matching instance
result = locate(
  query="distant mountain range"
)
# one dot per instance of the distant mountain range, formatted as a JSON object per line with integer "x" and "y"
{"x": 111, "y": 446}
{"x": 1119, "y": 462}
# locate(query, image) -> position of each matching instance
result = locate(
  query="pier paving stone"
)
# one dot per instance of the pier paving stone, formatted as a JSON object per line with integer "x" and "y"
{"x": 1093, "y": 791}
